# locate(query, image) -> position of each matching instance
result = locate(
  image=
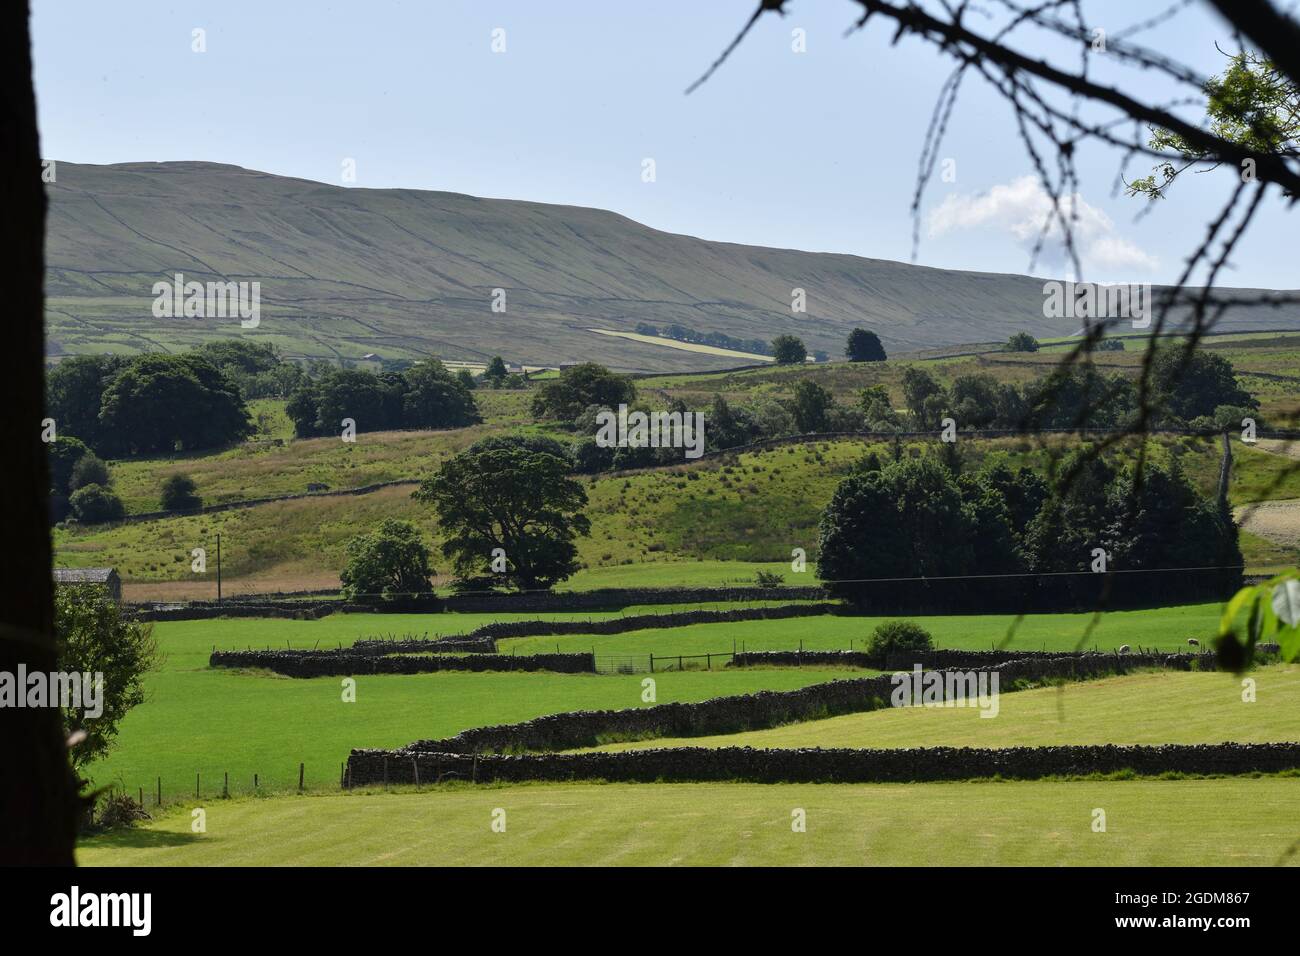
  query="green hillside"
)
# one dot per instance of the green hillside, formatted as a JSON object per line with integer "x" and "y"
{"x": 401, "y": 273}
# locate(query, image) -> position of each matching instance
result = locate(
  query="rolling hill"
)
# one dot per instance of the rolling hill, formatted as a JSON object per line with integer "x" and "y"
{"x": 402, "y": 273}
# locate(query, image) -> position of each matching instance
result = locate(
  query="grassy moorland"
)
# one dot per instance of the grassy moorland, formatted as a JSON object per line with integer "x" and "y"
{"x": 1160, "y": 707}
{"x": 1018, "y": 823}
{"x": 1267, "y": 364}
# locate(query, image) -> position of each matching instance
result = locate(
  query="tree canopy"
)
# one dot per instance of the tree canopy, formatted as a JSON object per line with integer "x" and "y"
{"x": 512, "y": 505}
{"x": 864, "y": 346}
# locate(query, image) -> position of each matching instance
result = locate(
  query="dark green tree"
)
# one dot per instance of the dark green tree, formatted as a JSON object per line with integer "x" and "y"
{"x": 74, "y": 393}
{"x": 905, "y": 520}
{"x": 390, "y": 562}
{"x": 89, "y": 470}
{"x": 64, "y": 453}
{"x": 496, "y": 371}
{"x": 95, "y": 504}
{"x": 924, "y": 396}
{"x": 809, "y": 407}
{"x": 864, "y": 346}
{"x": 580, "y": 386}
{"x": 179, "y": 493}
{"x": 1022, "y": 342}
{"x": 161, "y": 402}
{"x": 1190, "y": 384}
{"x": 519, "y": 501}
{"x": 789, "y": 350}
{"x": 94, "y": 637}
{"x": 434, "y": 398}
{"x": 355, "y": 394}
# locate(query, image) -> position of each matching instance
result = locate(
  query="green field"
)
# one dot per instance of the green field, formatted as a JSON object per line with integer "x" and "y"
{"x": 1151, "y": 708}
{"x": 1217, "y": 822}
{"x": 209, "y": 721}
{"x": 1164, "y": 628}
{"x": 212, "y": 721}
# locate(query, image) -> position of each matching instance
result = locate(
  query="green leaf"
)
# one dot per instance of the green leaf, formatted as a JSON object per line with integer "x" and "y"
{"x": 1234, "y": 608}
{"x": 1286, "y": 602}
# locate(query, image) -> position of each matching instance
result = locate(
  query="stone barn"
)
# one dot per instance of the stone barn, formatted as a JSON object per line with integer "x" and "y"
{"x": 106, "y": 578}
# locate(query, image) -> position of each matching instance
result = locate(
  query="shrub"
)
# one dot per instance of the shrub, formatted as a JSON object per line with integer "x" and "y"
{"x": 789, "y": 350}
{"x": 899, "y": 637}
{"x": 89, "y": 470}
{"x": 390, "y": 562}
{"x": 1022, "y": 342}
{"x": 95, "y": 504}
{"x": 769, "y": 579}
{"x": 119, "y": 809}
{"x": 180, "y": 494}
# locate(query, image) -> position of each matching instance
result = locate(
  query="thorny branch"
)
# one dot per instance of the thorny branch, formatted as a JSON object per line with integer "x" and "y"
{"x": 1044, "y": 126}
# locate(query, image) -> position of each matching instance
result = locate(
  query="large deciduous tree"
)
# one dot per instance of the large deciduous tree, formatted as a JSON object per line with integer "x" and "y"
{"x": 159, "y": 402}
{"x": 520, "y": 501}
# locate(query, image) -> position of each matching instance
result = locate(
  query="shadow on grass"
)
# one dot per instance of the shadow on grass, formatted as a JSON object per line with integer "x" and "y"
{"x": 138, "y": 838}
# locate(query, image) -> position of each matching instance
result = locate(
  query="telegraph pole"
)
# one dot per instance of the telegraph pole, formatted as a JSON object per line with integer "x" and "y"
{"x": 218, "y": 568}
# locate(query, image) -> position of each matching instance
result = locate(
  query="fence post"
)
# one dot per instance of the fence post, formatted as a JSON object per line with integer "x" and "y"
{"x": 302, "y": 769}
{"x": 652, "y": 663}
{"x": 254, "y": 781}
{"x": 142, "y": 797}
{"x": 708, "y": 662}
{"x": 225, "y": 787}
{"x": 415, "y": 765}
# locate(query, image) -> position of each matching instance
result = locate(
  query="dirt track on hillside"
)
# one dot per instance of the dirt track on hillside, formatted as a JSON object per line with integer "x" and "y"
{"x": 1276, "y": 521}
{"x": 1280, "y": 446}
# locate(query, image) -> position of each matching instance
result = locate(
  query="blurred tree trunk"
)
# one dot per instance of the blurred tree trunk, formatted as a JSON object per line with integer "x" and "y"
{"x": 38, "y": 803}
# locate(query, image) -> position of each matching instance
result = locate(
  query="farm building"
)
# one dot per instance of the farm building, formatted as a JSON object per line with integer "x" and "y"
{"x": 107, "y": 578}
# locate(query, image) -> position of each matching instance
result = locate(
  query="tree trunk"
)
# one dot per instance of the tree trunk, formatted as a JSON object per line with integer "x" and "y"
{"x": 38, "y": 803}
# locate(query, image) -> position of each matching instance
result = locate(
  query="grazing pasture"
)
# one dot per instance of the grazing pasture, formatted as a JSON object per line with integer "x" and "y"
{"x": 210, "y": 721}
{"x": 1165, "y": 707}
{"x": 1009, "y": 823}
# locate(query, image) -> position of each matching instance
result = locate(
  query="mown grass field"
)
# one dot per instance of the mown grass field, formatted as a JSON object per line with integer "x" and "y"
{"x": 210, "y": 721}
{"x": 1216, "y": 822}
{"x": 1151, "y": 708}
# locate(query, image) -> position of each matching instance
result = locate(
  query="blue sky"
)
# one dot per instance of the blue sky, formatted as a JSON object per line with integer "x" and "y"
{"x": 813, "y": 150}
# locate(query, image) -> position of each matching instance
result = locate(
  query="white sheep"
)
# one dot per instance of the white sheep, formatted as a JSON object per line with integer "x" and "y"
{"x": 1123, "y": 648}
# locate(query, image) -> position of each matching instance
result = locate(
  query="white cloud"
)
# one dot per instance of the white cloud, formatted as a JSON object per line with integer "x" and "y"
{"x": 1022, "y": 207}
